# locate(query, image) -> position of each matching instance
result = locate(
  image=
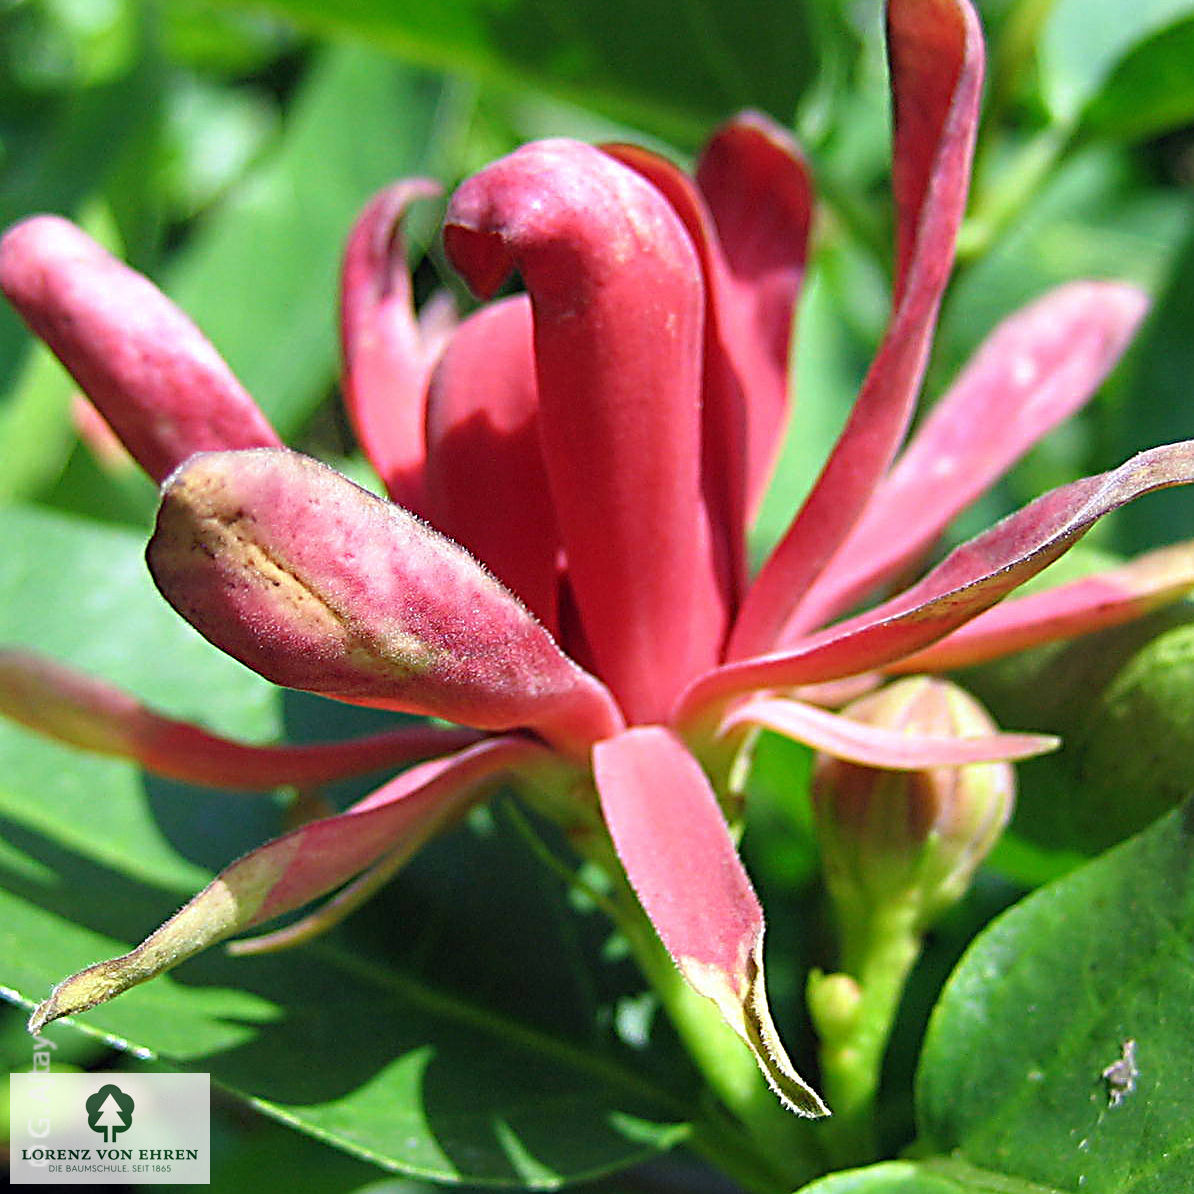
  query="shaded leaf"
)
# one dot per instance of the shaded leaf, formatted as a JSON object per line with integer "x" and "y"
{"x": 1088, "y": 964}
{"x": 618, "y": 57}
{"x": 276, "y": 244}
{"x": 1084, "y": 40}
{"x": 1149, "y": 91}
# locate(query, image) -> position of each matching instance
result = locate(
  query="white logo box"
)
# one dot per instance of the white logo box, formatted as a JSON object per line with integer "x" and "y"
{"x": 103, "y": 1129}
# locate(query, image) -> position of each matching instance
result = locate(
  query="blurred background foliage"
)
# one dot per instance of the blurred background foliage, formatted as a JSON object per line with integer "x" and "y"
{"x": 224, "y": 149}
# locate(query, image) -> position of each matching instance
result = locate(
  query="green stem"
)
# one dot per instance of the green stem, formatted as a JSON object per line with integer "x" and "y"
{"x": 879, "y": 954}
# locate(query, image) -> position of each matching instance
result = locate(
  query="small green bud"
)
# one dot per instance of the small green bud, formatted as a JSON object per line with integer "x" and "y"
{"x": 912, "y": 838}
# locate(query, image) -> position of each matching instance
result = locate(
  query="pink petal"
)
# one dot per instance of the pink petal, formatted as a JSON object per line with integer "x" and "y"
{"x": 319, "y": 585}
{"x": 968, "y": 581}
{"x": 759, "y": 192}
{"x": 486, "y": 481}
{"x": 1079, "y": 607}
{"x": 1035, "y": 370}
{"x": 291, "y": 870}
{"x": 873, "y": 746}
{"x": 618, "y": 300}
{"x": 936, "y": 55}
{"x": 154, "y": 377}
{"x": 386, "y": 359}
{"x": 88, "y": 713}
{"x": 673, "y": 841}
{"x": 724, "y": 401}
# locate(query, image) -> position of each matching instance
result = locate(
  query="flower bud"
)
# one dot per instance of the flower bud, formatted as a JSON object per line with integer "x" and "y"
{"x": 913, "y": 837}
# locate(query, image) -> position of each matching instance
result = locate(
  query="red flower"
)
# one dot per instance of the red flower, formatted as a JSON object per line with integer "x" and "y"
{"x": 599, "y": 443}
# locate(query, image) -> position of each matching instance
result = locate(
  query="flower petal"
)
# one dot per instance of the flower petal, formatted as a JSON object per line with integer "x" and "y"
{"x": 936, "y": 55}
{"x": 749, "y": 221}
{"x": 874, "y": 746}
{"x": 1035, "y": 370}
{"x": 1066, "y": 611}
{"x": 968, "y": 581}
{"x": 291, "y": 870}
{"x": 618, "y": 305}
{"x": 319, "y": 585}
{"x": 158, "y": 382}
{"x": 674, "y": 843}
{"x": 88, "y": 713}
{"x": 724, "y": 403}
{"x": 386, "y": 362}
{"x": 760, "y": 194}
{"x": 486, "y": 481}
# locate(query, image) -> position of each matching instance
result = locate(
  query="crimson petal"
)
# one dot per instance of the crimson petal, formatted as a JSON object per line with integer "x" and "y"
{"x": 291, "y": 870}
{"x": 386, "y": 361}
{"x": 156, "y": 379}
{"x": 936, "y": 54}
{"x": 1080, "y": 607}
{"x": 968, "y": 581}
{"x": 874, "y": 746}
{"x": 486, "y": 481}
{"x": 618, "y": 302}
{"x": 1035, "y": 370}
{"x": 86, "y": 712}
{"x": 760, "y": 194}
{"x": 674, "y": 843}
{"x": 319, "y": 585}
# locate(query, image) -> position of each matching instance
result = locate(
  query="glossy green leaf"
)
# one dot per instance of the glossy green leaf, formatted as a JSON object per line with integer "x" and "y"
{"x": 261, "y": 277}
{"x": 62, "y": 156}
{"x": 939, "y": 1175}
{"x": 1150, "y": 91}
{"x": 618, "y": 56}
{"x": 1084, "y": 40}
{"x": 1062, "y": 1050}
{"x": 392, "y": 1068}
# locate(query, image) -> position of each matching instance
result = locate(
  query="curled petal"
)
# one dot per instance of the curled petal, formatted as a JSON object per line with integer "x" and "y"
{"x": 154, "y": 377}
{"x": 760, "y": 194}
{"x": 1035, "y": 370}
{"x": 486, "y": 481}
{"x": 386, "y": 359}
{"x": 618, "y": 305}
{"x": 319, "y": 585}
{"x": 724, "y": 400}
{"x": 336, "y": 908}
{"x": 875, "y": 746}
{"x": 291, "y": 870}
{"x": 1066, "y": 611}
{"x": 82, "y": 711}
{"x": 936, "y": 55}
{"x": 748, "y": 216}
{"x": 674, "y": 843}
{"x": 968, "y": 581}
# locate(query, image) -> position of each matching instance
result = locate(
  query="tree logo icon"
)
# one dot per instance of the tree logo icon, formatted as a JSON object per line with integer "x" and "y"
{"x": 109, "y": 1111}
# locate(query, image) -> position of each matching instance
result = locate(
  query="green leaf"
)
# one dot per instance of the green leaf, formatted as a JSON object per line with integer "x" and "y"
{"x": 261, "y": 278}
{"x": 939, "y": 1175}
{"x": 1150, "y": 91}
{"x": 1084, "y": 40}
{"x": 620, "y": 56}
{"x": 1017, "y": 1072}
{"x": 65, "y": 155}
{"x": 459, "y": 1028}
{"x": 366, "y": 1057}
